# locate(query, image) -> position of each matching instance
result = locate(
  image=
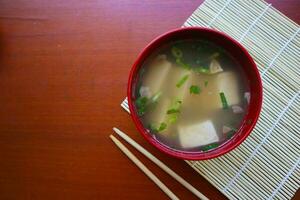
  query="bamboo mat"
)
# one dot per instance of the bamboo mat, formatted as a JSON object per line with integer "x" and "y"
{"x": 267, "y": 164}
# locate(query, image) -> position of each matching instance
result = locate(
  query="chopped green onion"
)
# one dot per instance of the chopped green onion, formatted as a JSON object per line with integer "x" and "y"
{"x": 174, "y": 107}
{"x": 177, "y": 53}
{"x": 171, "y": 111}
{"x": 156, "y": 96}
{"x": 209, "y": 147}
{"x": 194, "y": 89}
{"x": 182, "y": 64}
{"x": 141, "y": 111}
{"x": 173, "y": 118}
{"x": 205, "y": 83}
{"x": 141, "y": 105}
{"x": 141, "y": 101}
{"x": 203, "y": 70}
{"x": 230, "y": 134}
{"x": 162, "y": 126}
{"x": 182, "y": 81}
{"x": 223, "y": 100}
{"x": 154, "y": 128}
{"x": 176, "y": 104}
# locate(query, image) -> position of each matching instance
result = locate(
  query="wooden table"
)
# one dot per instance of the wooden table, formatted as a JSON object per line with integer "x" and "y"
{"x": 63, "y": 74}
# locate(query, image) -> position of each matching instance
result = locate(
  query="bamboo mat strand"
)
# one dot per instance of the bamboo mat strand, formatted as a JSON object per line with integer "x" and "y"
{"x": 267, "y": 164}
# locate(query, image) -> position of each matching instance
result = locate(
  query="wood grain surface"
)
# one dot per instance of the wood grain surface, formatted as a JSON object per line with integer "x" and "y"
{"x": 63, "y": 74}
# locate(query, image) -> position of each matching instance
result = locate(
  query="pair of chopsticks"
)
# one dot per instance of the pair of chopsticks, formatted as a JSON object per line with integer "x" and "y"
{"x": 136, "y": 161}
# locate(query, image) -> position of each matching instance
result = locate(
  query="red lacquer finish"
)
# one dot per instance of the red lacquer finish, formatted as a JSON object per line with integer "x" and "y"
{"x": 248, "y": 66}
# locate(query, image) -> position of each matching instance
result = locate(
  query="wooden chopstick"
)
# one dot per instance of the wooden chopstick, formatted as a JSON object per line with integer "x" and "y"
{"x": 160, "y": 164}
{"x": 142, "y": 167}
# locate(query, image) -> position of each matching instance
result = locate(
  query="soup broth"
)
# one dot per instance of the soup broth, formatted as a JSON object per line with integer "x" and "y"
{"x": 191, "y": 95}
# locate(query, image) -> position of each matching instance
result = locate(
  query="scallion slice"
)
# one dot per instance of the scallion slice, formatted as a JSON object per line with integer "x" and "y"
{"x": 194, "y": 89}
{"x": 182, "y": 80}
{"x": 223, "y": 100}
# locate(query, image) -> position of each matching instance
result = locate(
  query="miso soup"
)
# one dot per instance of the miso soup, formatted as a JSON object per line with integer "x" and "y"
{"x": 191, "y": 95}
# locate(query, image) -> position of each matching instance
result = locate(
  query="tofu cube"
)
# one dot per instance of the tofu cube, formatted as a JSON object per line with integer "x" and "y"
{"x": 209, "y": 97}
{"x": 157, "y": 73}
{"x": 227, "y": 82}
{"x": 160, "y": 113}
{"x": 215, "y": 67}
{"x": 197, "y": 134}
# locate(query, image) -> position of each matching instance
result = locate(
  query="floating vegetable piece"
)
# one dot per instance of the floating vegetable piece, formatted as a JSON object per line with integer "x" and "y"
{"x": 201, "y": 69}
{"x": 194, "y": 89}
{"x": 174, "y": 108}
{"x": 237, "y": 109}
{"x": 153, "y": 128}
{"x": 156, "y": 97}
{"x": 177, "y": 104}
{"x": 215, "y": 67}
{"x": 179, "y": 83}
{"x": 223, "y": 100}
{"x": 161, "y": 127}
{"x": 182, "y": 64}
{"x": 210, "y": 146}
{"x": 171, "y": 111}
{"x": 182, "y": 80}
{"x": 141, "y": 103}
{"x": 144, "y": 101}
{"x": 173, "y": 118}
{"x": 156, "y": 111}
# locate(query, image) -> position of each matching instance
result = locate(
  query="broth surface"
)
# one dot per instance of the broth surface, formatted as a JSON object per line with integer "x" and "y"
{"x": 191, "y": 95}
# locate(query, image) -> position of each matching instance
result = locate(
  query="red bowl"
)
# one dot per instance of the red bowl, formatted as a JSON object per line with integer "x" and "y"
{"x": 238, "y": 52}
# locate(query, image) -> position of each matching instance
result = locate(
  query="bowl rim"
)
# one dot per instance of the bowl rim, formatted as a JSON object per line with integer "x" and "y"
{"x": 192, "y": 156}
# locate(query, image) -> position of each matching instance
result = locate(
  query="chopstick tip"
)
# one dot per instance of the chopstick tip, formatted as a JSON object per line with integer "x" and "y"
{"x": 111, "y": 137}
{"x": 116, "y": 130}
